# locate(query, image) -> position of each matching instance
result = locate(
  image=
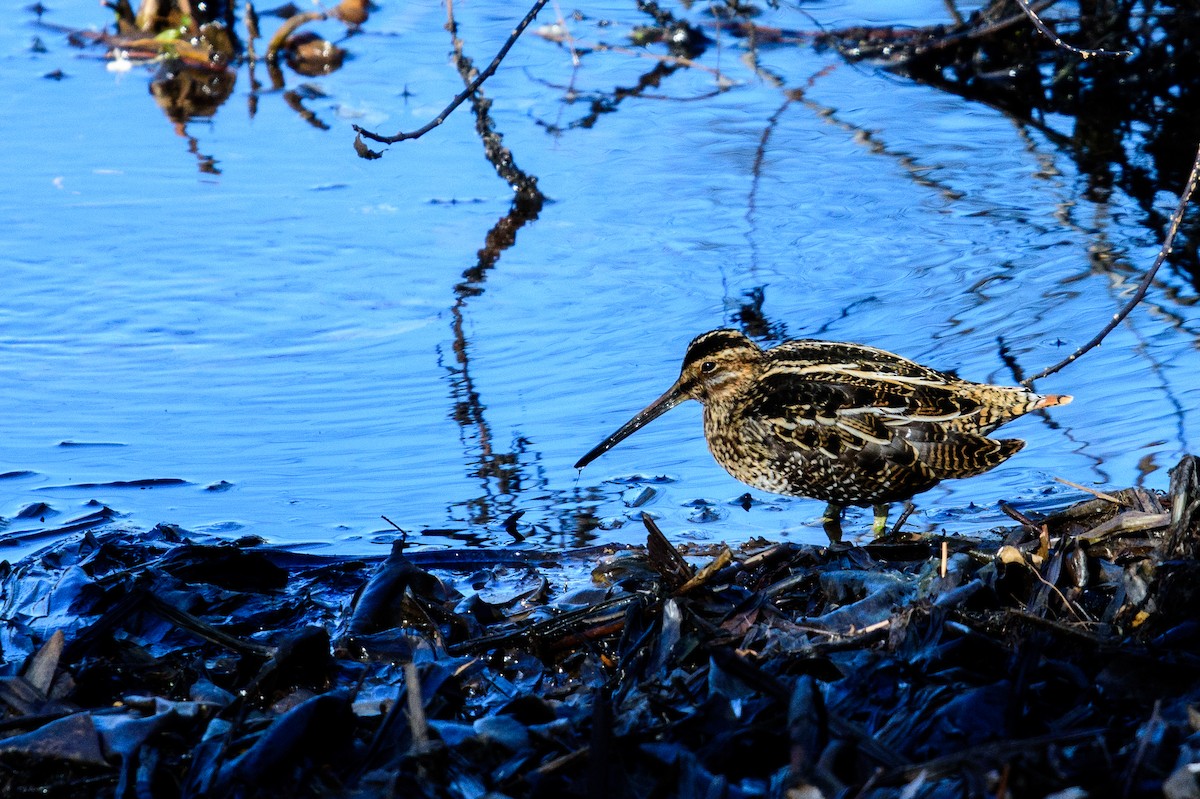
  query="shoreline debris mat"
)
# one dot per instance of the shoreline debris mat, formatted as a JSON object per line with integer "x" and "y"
{"x": 1062, "y": 657}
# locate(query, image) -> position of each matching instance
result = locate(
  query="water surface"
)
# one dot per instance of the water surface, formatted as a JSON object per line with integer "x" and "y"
{"x": 239, "y": 326}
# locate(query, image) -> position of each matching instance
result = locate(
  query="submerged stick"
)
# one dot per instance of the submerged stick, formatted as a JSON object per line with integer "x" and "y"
{"x": 1168, "y": 243}
{"x": 1092, "y": 491}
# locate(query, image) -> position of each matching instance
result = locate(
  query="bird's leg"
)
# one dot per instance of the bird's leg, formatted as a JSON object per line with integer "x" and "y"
{"x": 880, "y": 525}
{"x": 832, "y": 520}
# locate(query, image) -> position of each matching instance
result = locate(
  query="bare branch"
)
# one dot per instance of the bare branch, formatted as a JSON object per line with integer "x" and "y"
{"x": 1176, "y": 220}
{"x": 467, "y": 92}
{"x": 1052, "y": 36}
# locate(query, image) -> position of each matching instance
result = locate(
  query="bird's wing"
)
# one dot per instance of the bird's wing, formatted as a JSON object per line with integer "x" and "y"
{"x": 835, "y": 419}
{"x": 927, "y": 395}
{"x": 873, "y": 423}
{"x": 868, "y": 404}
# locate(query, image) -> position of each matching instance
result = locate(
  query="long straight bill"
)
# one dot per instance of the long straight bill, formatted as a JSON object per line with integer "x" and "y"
{"x": 666, "y": 402}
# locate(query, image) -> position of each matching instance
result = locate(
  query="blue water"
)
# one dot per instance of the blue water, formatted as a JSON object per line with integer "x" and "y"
{"x": 290, "y": 337}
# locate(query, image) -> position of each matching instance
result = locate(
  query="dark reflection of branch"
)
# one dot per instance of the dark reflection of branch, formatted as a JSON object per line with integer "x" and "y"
{"x": 918, "y": 173}
{"x": 528, "y": 197}
{"x": 760, "y": 152}
{"x": 275, "y": 75}
{"x": 684, "y": 44}
{"x": 1133, "y": 120}
{"x": 845, "y": 314}
{"x": 250, "y": 15}
{"x": 505, "y": 471}
{"x": 206, "y": 163}
{"x": 750, "y": 315}
{"x": 608, "y": 102}
{"x": 296, "y": 102}
{"x": 753, "y": 320}
{"x": 1134, "y": 124}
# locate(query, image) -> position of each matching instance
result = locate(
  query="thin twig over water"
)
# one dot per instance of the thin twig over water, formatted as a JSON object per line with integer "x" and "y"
{"x": 465, "y": 93}
{"x": 1176, "y": 219}
{"x": 1058, "y": 42}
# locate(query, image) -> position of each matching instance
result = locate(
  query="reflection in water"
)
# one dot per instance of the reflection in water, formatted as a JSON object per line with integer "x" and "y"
{"x": 505, "y": 475}
{"x": 295, "y": 100}
{"x": 1000, "y": 64}
{"x": 751, "y": 318}
{"x": 185, "y": 93}
{"x": 684, "y": 42}
{"x": 1135, "y": 125}
{"x": 602, "y": 103}
{"x": 200, "y": 53}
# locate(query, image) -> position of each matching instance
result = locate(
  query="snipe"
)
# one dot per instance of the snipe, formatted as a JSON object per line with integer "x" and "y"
{"x": 844, "y": 423}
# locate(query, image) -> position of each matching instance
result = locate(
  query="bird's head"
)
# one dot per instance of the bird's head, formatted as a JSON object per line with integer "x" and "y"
{"x": 715, "y": 367}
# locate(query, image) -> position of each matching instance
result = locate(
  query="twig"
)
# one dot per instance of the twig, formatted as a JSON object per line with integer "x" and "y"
{"x": 1092, "y": 491}
{"x": 1052, "y": 36}
{"x": 416, "y": 707}
{"x": 1017, "y": 516}
{"x": 908, "y": 511}
{"x": 1070, "y": 606}
{"x": 467, "y": 92}
{"x": 1168, "y": 243}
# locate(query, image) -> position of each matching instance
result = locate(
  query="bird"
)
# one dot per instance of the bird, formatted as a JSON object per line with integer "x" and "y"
{"x": 840, "y": 422}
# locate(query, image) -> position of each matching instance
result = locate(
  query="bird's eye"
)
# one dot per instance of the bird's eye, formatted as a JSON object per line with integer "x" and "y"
{"x": 708, "y": 366}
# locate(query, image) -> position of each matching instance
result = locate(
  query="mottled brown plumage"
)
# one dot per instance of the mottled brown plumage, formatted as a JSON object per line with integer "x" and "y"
{"x": 848, "y": 424}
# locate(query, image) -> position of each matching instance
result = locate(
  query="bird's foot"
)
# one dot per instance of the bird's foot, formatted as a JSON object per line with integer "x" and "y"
{"x": 832, "y": 521}
{"x": 879, "y": 527}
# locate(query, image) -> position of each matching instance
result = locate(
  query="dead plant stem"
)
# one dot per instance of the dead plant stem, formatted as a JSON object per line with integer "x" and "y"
{"x": 1168, "y": 243}
{"x": 461, "y": 97}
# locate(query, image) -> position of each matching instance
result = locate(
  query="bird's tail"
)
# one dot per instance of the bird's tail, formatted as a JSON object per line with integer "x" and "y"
{"x": 999, "y": 405}
{"x": 1050, "y": 400}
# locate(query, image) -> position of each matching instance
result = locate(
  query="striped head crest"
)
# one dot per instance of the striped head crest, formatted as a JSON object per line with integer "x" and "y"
{"x": 717, "y": 361}
{"x": 718, "y": 343}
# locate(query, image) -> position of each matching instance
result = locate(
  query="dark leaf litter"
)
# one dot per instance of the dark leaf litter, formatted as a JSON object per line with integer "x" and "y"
{"x": 1062, "y": 658}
